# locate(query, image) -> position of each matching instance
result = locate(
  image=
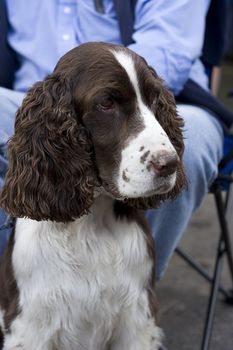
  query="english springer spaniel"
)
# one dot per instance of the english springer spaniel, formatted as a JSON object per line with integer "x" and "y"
{"x": 95, "y": 142}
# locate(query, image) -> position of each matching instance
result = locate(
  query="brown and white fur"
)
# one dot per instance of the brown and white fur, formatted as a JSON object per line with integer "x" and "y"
{"x": 94, "y": 142}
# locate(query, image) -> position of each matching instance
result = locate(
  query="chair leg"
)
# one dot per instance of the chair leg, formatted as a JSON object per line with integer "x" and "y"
{"x": 224, "y": 229}
{"x": 213, "y": 296}
{"x": 199, "y": 269}
{"x": 224, "y": 247}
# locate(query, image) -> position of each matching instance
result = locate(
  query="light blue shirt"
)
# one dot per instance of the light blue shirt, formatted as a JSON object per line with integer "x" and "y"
{"x": 168, "y": 34}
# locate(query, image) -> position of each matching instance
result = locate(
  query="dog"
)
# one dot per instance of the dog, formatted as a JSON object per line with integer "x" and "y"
{"x": 95, "y": 143}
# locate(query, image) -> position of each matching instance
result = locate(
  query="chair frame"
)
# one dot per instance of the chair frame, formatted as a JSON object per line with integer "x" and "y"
{"x": 224, "y": 207}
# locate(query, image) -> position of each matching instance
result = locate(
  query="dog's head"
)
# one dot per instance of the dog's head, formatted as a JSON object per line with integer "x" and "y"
{"x": 103, "y": 118}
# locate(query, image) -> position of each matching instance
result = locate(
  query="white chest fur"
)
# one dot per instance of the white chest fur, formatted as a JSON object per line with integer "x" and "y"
{"x": 80, "y": 281}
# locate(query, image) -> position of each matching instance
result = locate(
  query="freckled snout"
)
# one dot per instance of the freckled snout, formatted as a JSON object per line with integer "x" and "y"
{"x": 164, "y": 164}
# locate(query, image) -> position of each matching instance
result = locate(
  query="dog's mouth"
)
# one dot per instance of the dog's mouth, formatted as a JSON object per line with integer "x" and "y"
{"x": 165, "y": 184}
{"x": 157, "y": 187}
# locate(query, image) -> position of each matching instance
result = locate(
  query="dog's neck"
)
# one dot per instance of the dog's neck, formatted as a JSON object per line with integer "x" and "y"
{"x": 100, "y": 214}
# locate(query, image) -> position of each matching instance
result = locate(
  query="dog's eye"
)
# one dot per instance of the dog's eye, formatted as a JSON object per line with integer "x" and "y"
{"x": 106, "y": 104}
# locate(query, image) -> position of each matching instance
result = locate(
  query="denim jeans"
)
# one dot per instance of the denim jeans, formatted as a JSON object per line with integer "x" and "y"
{"x": 203, "y": 150}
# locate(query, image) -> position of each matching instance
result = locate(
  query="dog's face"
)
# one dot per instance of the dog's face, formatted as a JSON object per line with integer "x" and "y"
{"x": 103, "y": 118}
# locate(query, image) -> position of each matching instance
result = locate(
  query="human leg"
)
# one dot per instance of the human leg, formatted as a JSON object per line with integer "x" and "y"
{"x": 9, "y": 102}
{"x": 203, "y": 151}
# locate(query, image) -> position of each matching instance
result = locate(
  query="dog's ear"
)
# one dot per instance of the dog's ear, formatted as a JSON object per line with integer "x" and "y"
{"x": 165, "y": 112}
{"x": 51, "y": 172}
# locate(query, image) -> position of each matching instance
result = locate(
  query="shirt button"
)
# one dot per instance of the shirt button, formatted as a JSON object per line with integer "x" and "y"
{"x": 67, "y": 10}
{"x": 66, "y": 37}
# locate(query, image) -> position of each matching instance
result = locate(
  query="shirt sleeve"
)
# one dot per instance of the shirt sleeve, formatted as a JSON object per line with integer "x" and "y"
{"x": 169, "y": 35}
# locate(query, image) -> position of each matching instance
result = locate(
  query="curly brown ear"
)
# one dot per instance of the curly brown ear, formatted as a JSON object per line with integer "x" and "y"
{"x": 172, "y": 123}
{"x": 166, "y": 113}
{"x": 51, "y": 175}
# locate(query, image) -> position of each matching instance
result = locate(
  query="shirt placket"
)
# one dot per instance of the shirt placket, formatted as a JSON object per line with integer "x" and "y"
{"x": 65, "y": 24}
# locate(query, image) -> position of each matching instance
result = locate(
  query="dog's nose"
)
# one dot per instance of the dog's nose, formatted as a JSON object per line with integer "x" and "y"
{"x": 165, "y": 163}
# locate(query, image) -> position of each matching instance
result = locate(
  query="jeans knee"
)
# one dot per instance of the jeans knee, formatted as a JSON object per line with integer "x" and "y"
{"x": 201, "y": 169}
{"x": 203, "y": 148}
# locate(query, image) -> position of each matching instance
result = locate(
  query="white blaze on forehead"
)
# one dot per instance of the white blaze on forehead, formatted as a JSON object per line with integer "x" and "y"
{"x": 127, "y": 62}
